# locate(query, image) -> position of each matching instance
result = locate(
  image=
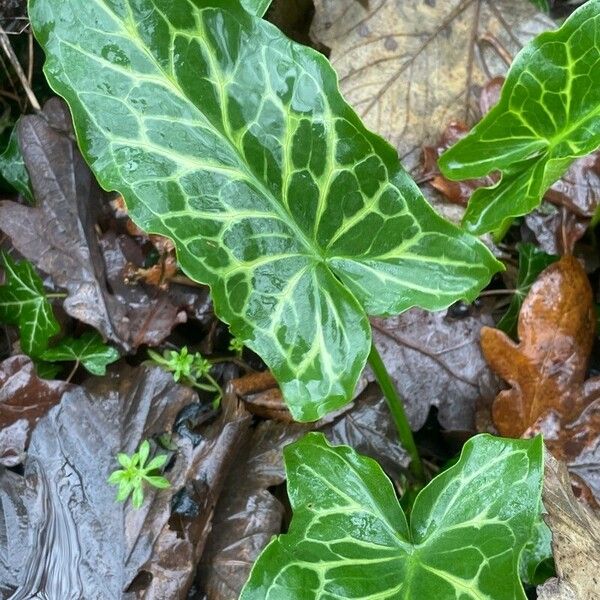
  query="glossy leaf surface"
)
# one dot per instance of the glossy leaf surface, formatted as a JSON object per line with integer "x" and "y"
{"x": 89, "y": 350}
{"x": 256, "y": 7}
{"x": 548, "y": 115}
{"x": 12, "y": 167}
{"x": 350, "y": 539}
{"x": 233, "y": 141}
{"x": 23, "y": 302}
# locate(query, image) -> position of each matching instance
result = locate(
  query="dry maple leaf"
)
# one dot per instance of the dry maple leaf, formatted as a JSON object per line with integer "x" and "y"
{"x": 546, "y": 369}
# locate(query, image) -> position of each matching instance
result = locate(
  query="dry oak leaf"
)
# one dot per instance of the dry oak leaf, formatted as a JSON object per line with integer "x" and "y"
{"x": 546, "y": 369}
{"x": 409, "y": 67}
{"x": 575, "y": 539}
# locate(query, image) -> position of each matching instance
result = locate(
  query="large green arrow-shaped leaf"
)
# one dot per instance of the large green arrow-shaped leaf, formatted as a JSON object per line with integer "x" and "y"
{"x": 256, "y": 7}
{"x": 235, "y": 142}
{"x": 548, "y": 115}
{"x": 349, "y": 538}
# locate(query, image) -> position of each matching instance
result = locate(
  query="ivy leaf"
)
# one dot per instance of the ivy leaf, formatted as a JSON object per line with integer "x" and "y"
{"x": 350, "y": 539}
{"x": 548, "y": 115}
{"x": 256, "y": 7}
{"x": 12, "y": 168}
{"x": 531, "y": 263}
{"x": 89, "y": 350}
{"x": 23, "y": 302}
{"x": 235, "y": 142}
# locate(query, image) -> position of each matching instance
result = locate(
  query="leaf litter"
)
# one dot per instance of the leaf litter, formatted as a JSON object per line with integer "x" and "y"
{"x": 226, "y": 469}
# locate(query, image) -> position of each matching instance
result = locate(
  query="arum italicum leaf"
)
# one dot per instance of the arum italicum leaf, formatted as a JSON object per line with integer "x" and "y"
{"x": 234, "y": 141}
{"x": 256, "y": 7}
{"x": 548, "y": 115}
{"x": 349, "y": 538}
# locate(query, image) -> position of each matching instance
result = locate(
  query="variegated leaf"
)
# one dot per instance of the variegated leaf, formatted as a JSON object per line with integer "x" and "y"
{"x": 235, "y": 142}
{"x": 350, "y": 540}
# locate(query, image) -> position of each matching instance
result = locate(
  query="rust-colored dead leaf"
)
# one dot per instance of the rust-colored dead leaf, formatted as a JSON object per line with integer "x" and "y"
{"x": 546, "y": 372}
{"x": 546, "y": 369}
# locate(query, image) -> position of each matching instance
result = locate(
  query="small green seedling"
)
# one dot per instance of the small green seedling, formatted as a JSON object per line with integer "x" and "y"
{"x": 135, "y": 472}
{"x": 189, "y": 369}
{"x": 236, "y": 345}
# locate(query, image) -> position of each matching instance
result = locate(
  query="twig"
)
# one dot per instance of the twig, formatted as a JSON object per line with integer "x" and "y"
{"x": 14, "y": 61}
{"x": 73, "y": 371}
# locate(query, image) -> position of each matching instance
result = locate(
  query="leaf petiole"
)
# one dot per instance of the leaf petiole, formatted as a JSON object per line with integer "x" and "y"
{"x": 396, "y": 406}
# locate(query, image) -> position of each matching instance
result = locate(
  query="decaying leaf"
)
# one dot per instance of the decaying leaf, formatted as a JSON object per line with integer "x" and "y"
{"x": 547, "y": 368}
{"x": 579, "y": 188}
{"x": 24, "y": 400}
{"x": 546, "y": 371}
{"x": 555, "y": 230}
{"x": 436, "y": 360}
{"x": 247, "y": 514}
{"x": 59, "y": 235}
{"x": 409, "y": 67}
{"x": 75, "y": 541}
{"x": 576, "y": 539}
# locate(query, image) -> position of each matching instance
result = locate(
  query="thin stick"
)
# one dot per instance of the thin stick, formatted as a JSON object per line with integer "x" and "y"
{"x": 396, "y": 407}
{"x": 73, "y": 371}
{"x": 14, "y": 61}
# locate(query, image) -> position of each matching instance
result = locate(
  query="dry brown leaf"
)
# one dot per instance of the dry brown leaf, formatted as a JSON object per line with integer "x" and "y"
{"x": 546, "y": 369}
{"x": 409, "y": 67}
{"x": 546, "y": 372}
{"x": 575, "y": 539}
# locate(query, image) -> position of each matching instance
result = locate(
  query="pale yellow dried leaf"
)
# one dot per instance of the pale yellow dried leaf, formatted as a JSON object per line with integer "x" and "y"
{"x": 409, "y": 67}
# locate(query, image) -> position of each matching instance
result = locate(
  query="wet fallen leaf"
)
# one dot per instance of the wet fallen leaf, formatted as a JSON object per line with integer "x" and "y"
{"x": 555, "y": 230}
{"x": 409, "y": 67}
{"x": 547, "y": 368}
{"x": 546, "y": 371}
{"x": 24, "y": 400}
{"x": 75, "y": 540}
{"x": 577, "y": 443}
{"x": 579, "y": 188}
{"x": 248, "y": 514}
{"x": 59, "y": 236}
{"x": 436, "y": 360}
{"x": 575, "y": 539}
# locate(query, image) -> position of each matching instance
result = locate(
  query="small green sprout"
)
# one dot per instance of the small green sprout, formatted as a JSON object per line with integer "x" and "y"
{"x": 135, "y": 472}
{"x": 190, "y": 369}
{"x": 236, "y": 346}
